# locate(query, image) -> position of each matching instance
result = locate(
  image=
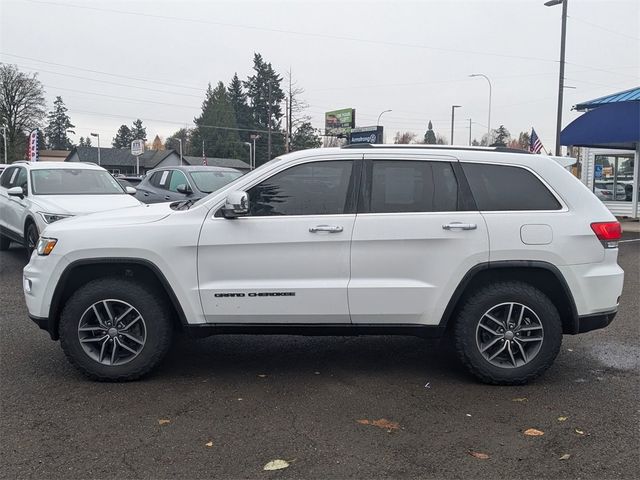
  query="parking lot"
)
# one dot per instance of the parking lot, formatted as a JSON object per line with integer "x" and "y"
{"x": 223, "y": 407}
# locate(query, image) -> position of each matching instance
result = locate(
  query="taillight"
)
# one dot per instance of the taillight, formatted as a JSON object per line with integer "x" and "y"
{"x": 608, "y": 233}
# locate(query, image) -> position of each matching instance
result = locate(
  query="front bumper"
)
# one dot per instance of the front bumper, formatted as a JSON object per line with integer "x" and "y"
{"x": 587, "y": 323}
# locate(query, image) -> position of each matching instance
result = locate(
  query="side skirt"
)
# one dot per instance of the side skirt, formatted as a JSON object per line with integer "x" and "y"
{"x": 423, "y": 331}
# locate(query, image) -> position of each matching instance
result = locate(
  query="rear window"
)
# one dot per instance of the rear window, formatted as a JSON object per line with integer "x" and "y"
{"x": 506, "y": 188}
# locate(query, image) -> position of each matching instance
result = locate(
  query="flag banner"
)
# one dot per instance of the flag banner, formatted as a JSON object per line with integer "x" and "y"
{"x": 32, "y": 150}
{"x": 535, "y": 145}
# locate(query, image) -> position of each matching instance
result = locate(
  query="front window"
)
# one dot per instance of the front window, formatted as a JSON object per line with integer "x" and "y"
{"x": 74, "y": 181}
{"x": 309, "y": 189}
{"x": 211, "y": 180}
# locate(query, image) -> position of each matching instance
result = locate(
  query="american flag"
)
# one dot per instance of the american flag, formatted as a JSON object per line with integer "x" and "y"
{"x": 535, "y": 145}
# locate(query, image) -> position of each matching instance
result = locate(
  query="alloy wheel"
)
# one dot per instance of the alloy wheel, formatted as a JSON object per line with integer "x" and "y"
{"x": 509, "y": 335}
{"x": 112, "y": 332}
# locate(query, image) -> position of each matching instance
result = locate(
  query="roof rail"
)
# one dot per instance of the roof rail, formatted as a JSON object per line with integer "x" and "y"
{"x": 22, "y": 161}
{"x": 435, "y": 147}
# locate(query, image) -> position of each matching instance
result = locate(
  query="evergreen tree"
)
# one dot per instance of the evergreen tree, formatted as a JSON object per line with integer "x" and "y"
{"x": 216, "y": 126}
{"x": 81, "y": 142}
{"x": 305, "y": 136}
{"x": 59, "y": 124}
{"x": 430, "y": 136}
{"x": 501, "y": 136}
{"x": 123, "y": 138}
{"x": 238, "y": 99}
{"x": 87, "y": 142}
{"x": 265, "y": 96}
{"x": 138, "y": 132}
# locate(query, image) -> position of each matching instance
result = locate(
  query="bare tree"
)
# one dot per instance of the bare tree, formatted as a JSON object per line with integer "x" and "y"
{"x": 404, "y": 137}
{"x": 22, "y": 107}
{"x": 441, "y": 139}
{"x": 296, "y": 107}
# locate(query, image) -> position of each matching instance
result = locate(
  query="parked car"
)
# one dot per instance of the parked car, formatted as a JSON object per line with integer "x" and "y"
{"x": 505, "y": 251}
{"x": 605, "y": 191}
{"x": 34, "y": 195}
{"x": 183, "y": 183}
{"x": 130, "y": 180}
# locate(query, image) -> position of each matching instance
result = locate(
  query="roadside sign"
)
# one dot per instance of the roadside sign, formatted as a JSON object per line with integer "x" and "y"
{"x": 137, "y": 147}
{"x": 597, "y": 171}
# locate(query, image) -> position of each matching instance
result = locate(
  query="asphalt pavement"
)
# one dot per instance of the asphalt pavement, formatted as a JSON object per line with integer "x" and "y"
{"x": 223, "y": 407}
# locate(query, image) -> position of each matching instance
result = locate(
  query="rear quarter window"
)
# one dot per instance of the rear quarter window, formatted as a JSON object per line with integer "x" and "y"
{"x": 507, "y": 188}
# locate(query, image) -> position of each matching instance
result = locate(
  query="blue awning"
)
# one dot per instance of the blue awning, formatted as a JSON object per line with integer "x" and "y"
{"x": 612, "y": 125}
{"x": 626, "y": 96}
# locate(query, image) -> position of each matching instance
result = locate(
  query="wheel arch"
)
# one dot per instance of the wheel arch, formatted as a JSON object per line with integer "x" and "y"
{"x": 82, "y": 271}
{"x": 542, "y": 275}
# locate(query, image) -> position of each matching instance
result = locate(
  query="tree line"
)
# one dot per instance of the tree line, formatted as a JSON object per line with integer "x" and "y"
{"x": 232, "y": 115}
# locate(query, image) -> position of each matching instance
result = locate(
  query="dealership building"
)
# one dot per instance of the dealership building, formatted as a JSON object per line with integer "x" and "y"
{"x": 609, "y": 133}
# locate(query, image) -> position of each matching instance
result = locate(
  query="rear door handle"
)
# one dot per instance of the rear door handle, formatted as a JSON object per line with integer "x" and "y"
{"x": 167, "y": 197}
{"x": 459, "y": 226}
{"x": 326, "y": 228}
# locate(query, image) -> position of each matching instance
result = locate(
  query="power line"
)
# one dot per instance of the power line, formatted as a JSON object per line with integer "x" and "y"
{"x": 293, "y": 32}
{"x": 74, "y": 67}
{"x": 595, "y": 25}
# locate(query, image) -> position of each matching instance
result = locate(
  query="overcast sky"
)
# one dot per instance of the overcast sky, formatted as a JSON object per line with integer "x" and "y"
{"x": 114, "y": 61}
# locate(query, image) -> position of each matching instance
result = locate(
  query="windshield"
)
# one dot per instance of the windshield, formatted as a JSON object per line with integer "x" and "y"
{"x": 74, "y": 181}
{"x": 209, "y": 181}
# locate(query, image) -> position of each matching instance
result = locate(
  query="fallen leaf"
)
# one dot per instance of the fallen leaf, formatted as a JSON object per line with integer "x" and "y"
{"x": 520, "y": 399}
{"x": 262, "y": 375}
{"x": 382, "y": 423}
{"x": 240, "y": 399}
{"x": 478, "y": 455}
{"x": 532, "y": 432}
{"x": 569, "y": 349}
{"x": 164, "y": 421}
{"x": 428, "y": 385}
{"x": 276, "y": 465}
{"x": 468, "y": 414}
{"x": 208, "y": 444}
{"x": 579, "y": 432}
{"x": 566, "y": 456}
{"x": 562, "y": 419}
{"x": 316, "y": 373}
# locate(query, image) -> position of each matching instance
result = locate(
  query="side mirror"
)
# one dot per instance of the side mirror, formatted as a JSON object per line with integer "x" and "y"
{"x": 236, "y": 205}
{"x": 130, "y": 190}
{"x": 184, "y": 188}
{"x": 16, "y": 192}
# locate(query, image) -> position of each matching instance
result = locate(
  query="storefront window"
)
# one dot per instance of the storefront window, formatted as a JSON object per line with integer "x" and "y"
{"x": 613, "y": 177}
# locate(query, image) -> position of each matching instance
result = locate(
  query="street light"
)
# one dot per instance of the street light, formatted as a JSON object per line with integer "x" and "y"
{"x": 253, "y": 137}
{"x": 381, "y": 113}
{"x": 180, "y": 140}
{"x": 453, "y": 114}
{"x": 563, "y": 39}
{"x": 4, "y": 139}
{"x": 489, "y": 120}
{"x": 250, "y": 152}
{"x": 97, "y": 135}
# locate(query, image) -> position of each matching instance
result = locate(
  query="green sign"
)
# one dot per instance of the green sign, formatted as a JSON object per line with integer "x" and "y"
{"x": 339, "y": 122}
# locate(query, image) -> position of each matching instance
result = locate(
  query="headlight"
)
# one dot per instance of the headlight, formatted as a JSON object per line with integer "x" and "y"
{"x": 53, "y": 217}
{"x": 45, "y": 245}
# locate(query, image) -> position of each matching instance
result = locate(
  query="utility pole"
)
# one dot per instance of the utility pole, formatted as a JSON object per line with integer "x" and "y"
{"x": 561, "y": 79}
{"x": 286, "y": 116}
{"x": 290, "y": 121}
{"x": 453, "y": 114}
{"x": 470, "y": 123}
{"x": 4, "y": 137}
{"x": 269, "y": 126}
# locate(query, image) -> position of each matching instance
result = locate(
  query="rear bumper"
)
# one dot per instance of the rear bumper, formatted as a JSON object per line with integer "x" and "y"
{"x": 586, "y": 323}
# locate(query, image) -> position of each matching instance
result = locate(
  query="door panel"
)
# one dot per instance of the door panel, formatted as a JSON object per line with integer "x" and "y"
{"x": 405, "y": 265}
{"x": 288, "y": 261}
{"x": 274, "y": 270}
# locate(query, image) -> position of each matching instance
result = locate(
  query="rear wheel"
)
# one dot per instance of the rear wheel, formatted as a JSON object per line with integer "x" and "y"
{"x": 508, "y": 333}
{"x": 115, "y": 330}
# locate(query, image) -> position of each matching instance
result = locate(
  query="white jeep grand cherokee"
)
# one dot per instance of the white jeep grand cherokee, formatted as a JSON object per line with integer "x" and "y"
{"x": 504, "y": 251}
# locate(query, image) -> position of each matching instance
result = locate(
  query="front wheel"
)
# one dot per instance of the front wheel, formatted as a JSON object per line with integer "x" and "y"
{"x": 508, "y": 333}
{"x": 31, "y": 238}
{"x": 115, "y": 330}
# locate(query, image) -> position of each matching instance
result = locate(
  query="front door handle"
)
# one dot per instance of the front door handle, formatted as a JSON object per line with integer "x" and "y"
{"x": 326, "y": 228}
{"x": 459, "y": 226}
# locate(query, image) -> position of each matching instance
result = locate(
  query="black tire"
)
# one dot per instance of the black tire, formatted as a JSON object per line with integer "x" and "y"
{"x": 152, "y": 308}
{"x": 5, "y": 242}
{"x": 31, "y": 236}
{"x": 467, "y": 329}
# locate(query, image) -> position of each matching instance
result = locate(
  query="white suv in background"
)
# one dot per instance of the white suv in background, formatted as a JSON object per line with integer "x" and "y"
{"x": 36, "y": 194}
{"x": 505, "y": 251}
